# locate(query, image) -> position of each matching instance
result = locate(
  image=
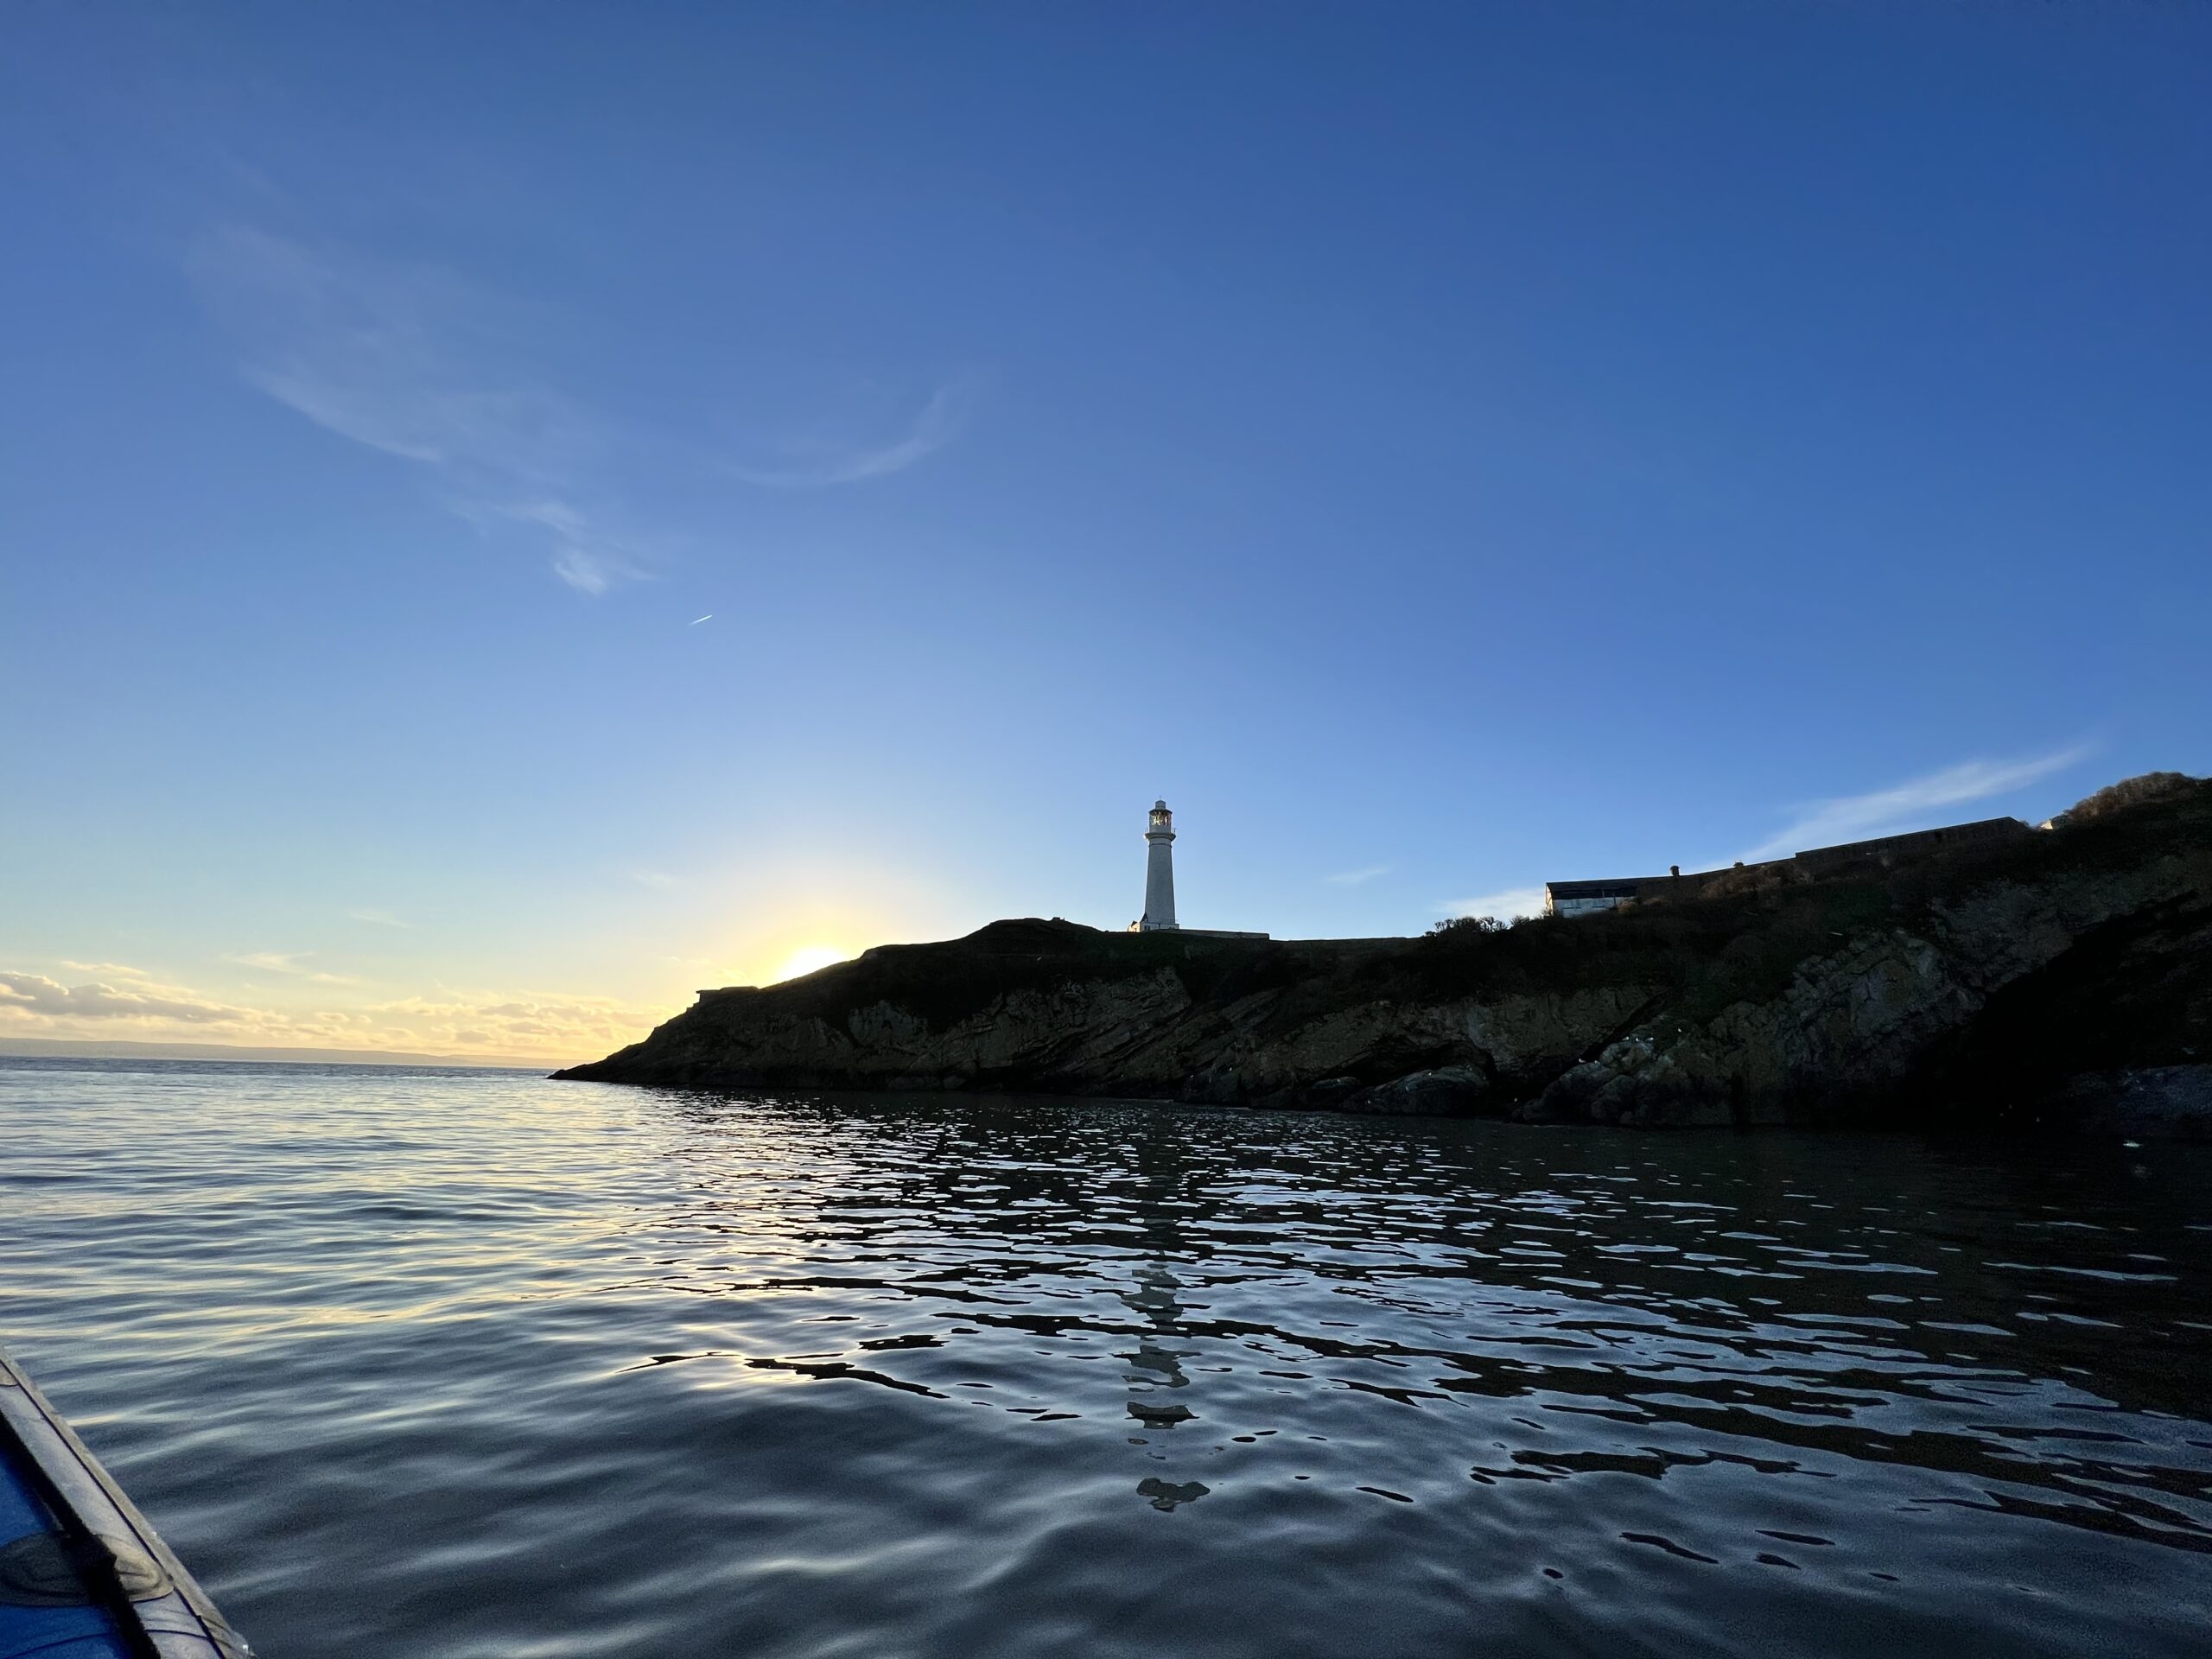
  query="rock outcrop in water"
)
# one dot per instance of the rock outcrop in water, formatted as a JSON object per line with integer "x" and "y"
{"x": 2064, "y": 980}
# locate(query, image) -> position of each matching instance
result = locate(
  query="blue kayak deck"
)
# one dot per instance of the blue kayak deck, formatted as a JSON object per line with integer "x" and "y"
{"x": 29, "y": 1535}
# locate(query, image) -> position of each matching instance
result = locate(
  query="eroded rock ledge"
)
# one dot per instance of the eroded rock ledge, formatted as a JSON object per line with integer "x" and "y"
{"x": 2065, "y": 981}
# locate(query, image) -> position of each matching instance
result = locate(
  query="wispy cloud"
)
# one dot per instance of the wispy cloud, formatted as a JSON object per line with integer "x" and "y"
{"x": 1359, "y": 877}
{"x": 375, "y": 918}
{"x": 290, "y": 964}
{"x": 812, "y": 462}
{"x": 1506, "y": 904}
{"x": 1909, "y": 805}
{"x": 584, "y": 554}
{"x": 416, "y": 364}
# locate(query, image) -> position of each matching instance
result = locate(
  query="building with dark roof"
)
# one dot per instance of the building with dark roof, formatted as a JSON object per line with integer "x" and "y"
{"x": 1921, "y": 843}
{"x": 1582, "y": 898}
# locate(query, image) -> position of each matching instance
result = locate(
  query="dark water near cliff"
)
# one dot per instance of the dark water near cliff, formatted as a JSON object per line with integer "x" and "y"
{"x": 423, "y": 1364}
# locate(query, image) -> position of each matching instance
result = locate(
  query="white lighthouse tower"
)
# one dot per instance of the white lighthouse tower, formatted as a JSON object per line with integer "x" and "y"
{"x": 1159, "y": 872}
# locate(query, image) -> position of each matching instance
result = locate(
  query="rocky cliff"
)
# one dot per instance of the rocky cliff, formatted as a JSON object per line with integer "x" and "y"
{"x": 2065, "y": 979}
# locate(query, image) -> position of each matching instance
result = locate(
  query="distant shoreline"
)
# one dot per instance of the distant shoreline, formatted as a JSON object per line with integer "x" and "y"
{"x": 62, "y": 1048}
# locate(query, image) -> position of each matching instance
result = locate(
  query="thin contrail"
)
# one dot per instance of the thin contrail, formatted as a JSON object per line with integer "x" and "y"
{"x": 696, "y": 620}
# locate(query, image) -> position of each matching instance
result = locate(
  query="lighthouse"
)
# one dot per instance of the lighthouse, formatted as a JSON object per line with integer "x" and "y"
{"x": 1159, "y": 883}
{"x": 1159, "y": 872}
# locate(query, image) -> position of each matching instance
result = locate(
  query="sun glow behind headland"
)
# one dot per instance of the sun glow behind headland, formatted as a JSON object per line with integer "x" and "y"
{"x": 808, "y": 959}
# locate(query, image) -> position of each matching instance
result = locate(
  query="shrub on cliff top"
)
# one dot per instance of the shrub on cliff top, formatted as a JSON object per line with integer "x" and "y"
{"x": 2129, "y": 791}
{"x": 1753, "y": 877}
{"x": 1468, "y": 924}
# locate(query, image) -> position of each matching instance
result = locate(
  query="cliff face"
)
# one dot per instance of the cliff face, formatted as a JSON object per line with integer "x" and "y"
{"x": 1054, "y": 1007}
{"x": 2008, "y": 1008}
{"x": 2063, "y": 980}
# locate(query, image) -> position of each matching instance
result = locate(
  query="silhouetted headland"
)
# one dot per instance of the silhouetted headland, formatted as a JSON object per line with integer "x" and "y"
{"x": 2060, "y": 978}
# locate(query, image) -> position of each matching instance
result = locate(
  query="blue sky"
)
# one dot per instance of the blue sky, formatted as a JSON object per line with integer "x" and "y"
{"x": 1437, "y": 447}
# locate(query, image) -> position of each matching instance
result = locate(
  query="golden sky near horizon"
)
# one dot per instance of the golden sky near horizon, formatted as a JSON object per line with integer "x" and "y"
{"x": 117, "y": 1001}
{"x": 524, "y": 999}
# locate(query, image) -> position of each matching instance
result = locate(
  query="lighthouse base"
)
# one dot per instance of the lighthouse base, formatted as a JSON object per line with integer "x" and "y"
{"x": 1193, "y": 932}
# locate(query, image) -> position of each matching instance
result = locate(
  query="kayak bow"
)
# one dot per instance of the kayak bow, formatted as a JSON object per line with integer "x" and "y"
{"x": 83, "y": 1575}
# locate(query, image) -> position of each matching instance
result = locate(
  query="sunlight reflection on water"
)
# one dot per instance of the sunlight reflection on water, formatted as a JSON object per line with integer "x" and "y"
{"x": 475, "y": 1365}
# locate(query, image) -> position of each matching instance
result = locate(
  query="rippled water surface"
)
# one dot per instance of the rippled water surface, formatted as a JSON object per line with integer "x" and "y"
{"x": 430, "y": 1363}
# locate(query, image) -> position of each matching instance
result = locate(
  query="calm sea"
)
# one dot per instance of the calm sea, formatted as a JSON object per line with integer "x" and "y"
{"x": 421, "y": 1363}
